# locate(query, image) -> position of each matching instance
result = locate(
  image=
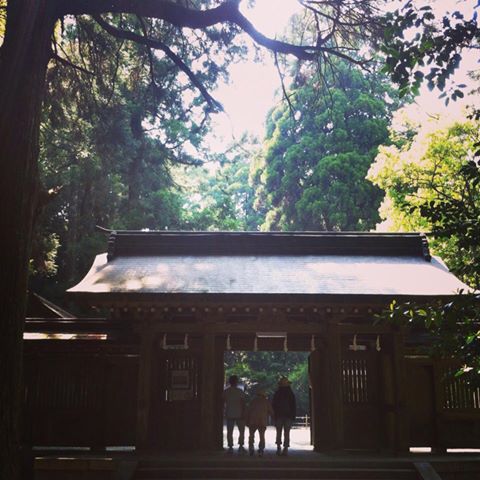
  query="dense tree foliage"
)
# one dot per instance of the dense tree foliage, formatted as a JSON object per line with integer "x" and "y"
{"x": 110, "y": 133}
{"x": 431, "y": 179}
{"x": 430, "y": 185}
{"x": 220, "y": 196}
{"x": 423, "y": 45}
{"x": 318, "y": 150}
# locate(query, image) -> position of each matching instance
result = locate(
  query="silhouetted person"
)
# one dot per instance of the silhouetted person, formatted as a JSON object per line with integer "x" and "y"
{"x": 234, "y": 400}
{"x": 284, "y": 412}
{"x": 257, "y": 419}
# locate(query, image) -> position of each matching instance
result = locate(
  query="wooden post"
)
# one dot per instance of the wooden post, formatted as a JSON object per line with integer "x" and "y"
{"x": 388, "y": 398}
{"x": 401, "y": 427}
{"x": 147, "y": 339}
{"x": 438, "y": 370}
{"x": 317, "y": 399}
{"x": 335, "y": 391}
{"x": 220, "y": 383}
{"x": 209, "y": 392}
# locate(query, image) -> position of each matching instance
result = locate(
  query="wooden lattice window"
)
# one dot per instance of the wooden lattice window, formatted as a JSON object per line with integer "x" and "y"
{"x": 355, "y": 380}
{"x": 458, "y": 394}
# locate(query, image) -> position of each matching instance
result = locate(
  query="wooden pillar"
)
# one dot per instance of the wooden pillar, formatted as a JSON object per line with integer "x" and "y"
{"x": 334, "y": 355}
{"x": 438, "y": 372}
{"x": 144, "y": 396}
{"x": 318, "y": 392}
{"x": 388, "y": 399}
{"x": 401, "y": 421}
{"x": 209, "y": 392}
{"x": 220, "y": 383}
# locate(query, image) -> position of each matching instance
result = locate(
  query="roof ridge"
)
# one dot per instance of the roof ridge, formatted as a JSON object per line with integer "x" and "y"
{"x": 138, "y": 243}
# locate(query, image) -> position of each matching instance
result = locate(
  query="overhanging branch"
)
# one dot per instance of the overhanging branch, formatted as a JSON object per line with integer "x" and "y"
{"x": 158, "y": 45}
{"x": 284, "y": 89}
{"x": 183, "y": 17}
{"x": 169, "y": 11}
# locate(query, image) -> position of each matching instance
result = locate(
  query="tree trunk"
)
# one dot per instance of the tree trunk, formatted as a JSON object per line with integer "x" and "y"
{"x": 23, "y": 61}
{"x": 135, "y": 167}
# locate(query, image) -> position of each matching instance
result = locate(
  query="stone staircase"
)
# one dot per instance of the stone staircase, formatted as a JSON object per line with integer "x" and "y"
{"x": 276, "y": 469}
{"x": 221, "y": 467}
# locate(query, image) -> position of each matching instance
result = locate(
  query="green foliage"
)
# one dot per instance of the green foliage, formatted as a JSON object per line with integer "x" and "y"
{"x": 316, "y": 156}
{"x": 222, "y": 198}
{"x": 264, "y": 369}
{"x": 432, "y": 179}
{"x": 420, "y": 47}
{"x": 454, "y": 327}
{"x": 43, "y": 260}
{"x": 431, "y": 184}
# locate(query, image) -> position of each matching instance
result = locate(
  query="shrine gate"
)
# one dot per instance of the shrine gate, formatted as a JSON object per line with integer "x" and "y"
{"x": 149, "y": 372}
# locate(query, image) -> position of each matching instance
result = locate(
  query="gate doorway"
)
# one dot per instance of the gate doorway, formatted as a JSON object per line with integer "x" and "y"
{"x": 262, "y": 370}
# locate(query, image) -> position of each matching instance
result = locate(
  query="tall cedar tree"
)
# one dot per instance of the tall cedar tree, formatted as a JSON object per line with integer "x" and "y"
{"x": 318, "y": 152}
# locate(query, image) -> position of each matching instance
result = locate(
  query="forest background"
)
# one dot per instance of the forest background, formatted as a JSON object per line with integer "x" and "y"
{"x": 124, "y": 146}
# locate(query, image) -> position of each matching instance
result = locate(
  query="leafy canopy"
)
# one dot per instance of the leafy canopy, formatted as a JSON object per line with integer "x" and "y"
{"x": 421, "y": 47}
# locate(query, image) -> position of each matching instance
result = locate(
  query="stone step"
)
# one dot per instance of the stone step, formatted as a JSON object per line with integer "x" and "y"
{"x": 271, "y": 460}
{"x": 274, "y": 472}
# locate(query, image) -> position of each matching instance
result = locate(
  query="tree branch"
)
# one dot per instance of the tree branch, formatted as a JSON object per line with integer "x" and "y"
{"x": 167, "y": 10}
{"x": 68, "y": 63}
{"x": 284, "y": 89}
{"x": 183, "y": 17}
{"x": 157, "y": 44}
{"x": 148, "y": 49}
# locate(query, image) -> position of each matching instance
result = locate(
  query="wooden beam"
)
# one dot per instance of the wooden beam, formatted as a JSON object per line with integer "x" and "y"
{"x": 356, "y": 329}
{"x": 71, "y": 325}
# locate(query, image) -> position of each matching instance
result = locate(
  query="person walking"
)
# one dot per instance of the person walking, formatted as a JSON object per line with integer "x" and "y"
{"x": 284, "y": 407}
{"x": 257, "y": 419}
{"x": 234, "y": 400}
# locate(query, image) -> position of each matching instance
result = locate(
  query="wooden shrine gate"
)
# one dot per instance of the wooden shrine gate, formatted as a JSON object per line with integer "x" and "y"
{"x": 225, "y": 288}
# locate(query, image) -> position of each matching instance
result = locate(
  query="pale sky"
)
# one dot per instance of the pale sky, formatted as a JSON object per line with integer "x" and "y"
{"x": 251, "y": 92}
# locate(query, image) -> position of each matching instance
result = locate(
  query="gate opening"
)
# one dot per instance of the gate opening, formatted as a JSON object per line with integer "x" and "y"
{"x": 262, "y": 370}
